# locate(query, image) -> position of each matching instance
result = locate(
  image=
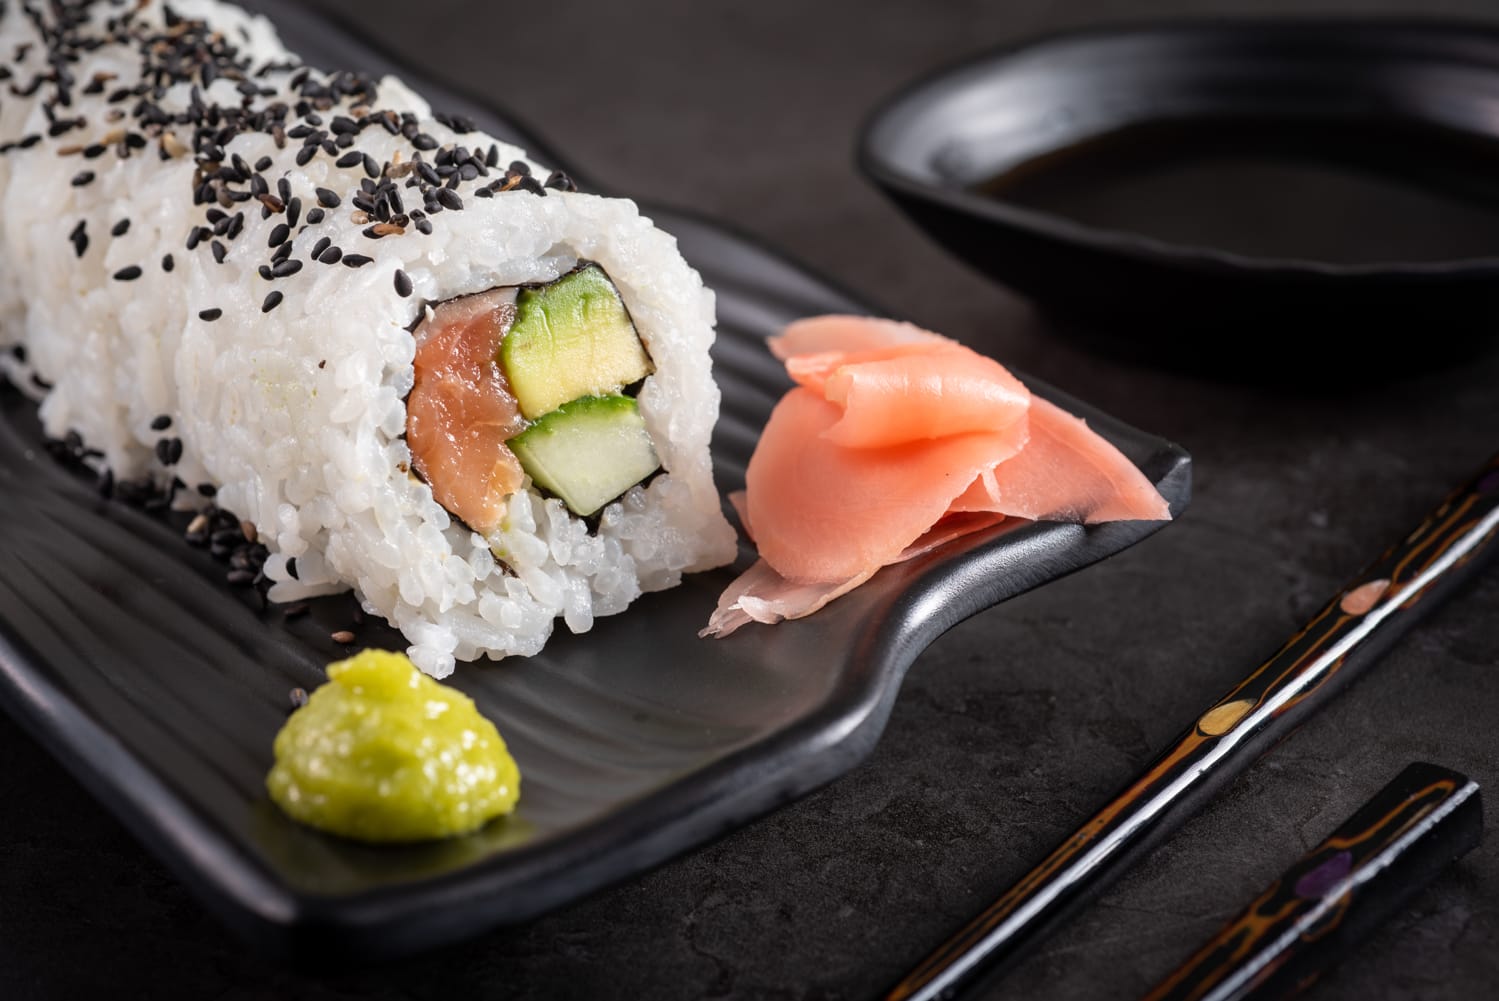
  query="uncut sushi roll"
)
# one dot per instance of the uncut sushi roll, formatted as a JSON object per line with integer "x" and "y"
{"x": 422, "y": 365}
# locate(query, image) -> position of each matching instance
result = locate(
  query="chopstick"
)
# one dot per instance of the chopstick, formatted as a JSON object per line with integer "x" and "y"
{"x": 1357, "y": 625}
{"x": 1322, "y": 906}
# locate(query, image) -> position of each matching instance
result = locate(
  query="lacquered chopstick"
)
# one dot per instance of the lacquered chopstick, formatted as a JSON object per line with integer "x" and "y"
{"x": 1336, "y": 893}
{"x": 1357, "y": 625}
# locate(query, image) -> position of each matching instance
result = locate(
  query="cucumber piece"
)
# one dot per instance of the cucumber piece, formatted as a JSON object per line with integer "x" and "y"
{"x": 571, "y": 338}
{"x": 588, "y": 451}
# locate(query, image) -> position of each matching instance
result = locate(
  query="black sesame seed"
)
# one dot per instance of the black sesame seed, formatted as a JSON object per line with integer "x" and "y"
{"x": 424, "y": 226}
{"x": 291, "y": 568}
{"x": 449, "y": 198}
{"x": 209, "y": 315}
{"x": 330, "y": 256}
{"x": 423, "y": 141}
{"x": 167, "y": 264}
{"x": 279, "y": 234}
{"x": 266, "y": 273}
{"x": 219, "y": 251}
{"x": 371, "y": 166}
{"x": 293, "y": 211}
{"x": 314, "y": 216}
{"x": 403, "y": 284}
{"x": 350, "y": 159}
{"x": 356, "y": 260}
{"x": 161, "y": 422}
{"x": 327, "y": 199}
{"x": 129, "y": 274}
{"x": 305, "y": 155}
{"x": 119, "y": 228}
{"x": 271, "y": 302}
{"x": 207, "y": 490}
{"x": 264, "y": 163}
{"x": 286, "y": 269}
{"x": 322, "y": 245}
{"x": 283, "y": 188}
{"x": 82, "y": 177}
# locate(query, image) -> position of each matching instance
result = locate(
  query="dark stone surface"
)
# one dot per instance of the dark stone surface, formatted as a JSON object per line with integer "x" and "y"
{"x": 1014, "y": 725}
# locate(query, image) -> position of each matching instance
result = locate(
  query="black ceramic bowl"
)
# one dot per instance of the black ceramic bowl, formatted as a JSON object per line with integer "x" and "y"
{"x": 1386, "y": 223}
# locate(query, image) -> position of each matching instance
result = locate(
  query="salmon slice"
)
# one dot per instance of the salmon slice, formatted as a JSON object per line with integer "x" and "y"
{"x": 461, "y": 412}
{"x": 823, "y": 512}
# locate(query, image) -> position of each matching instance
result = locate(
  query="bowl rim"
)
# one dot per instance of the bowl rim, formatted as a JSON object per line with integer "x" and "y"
{"x": 875, "y": 129}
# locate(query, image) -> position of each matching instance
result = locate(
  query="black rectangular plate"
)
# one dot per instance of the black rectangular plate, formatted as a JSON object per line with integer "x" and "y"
{"x": 125, "y": 653}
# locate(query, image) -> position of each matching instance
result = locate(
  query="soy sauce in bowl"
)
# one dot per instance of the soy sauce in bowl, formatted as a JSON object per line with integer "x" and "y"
{"x": 1339, "y": 191}
{"x": 1251, "y": 197}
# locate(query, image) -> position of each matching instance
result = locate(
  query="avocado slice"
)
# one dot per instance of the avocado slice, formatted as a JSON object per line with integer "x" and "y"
{"x": 588, "y": 451}
{"x": 571, "y": 338}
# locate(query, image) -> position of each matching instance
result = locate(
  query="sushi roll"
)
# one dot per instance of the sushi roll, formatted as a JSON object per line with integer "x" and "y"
{"x": 422, "y": 365}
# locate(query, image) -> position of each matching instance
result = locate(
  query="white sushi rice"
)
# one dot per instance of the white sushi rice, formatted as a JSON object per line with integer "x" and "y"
{"x": 296, "y": 415}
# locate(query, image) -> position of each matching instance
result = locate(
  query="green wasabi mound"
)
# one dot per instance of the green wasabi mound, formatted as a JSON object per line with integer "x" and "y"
{"x": 383, "y": 753}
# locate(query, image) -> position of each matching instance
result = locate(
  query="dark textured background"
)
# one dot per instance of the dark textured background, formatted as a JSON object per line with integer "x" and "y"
{"x": 1013, "y": 726}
